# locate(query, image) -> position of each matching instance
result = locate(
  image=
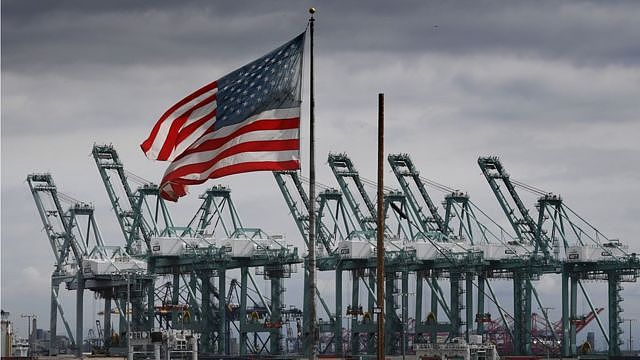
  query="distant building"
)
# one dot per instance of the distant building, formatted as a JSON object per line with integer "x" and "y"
{"x": 20, "y": 347}
{"x": 6, "y": 336}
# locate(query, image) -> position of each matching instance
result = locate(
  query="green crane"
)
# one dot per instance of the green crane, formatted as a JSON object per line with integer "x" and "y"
{"x": 588, "y": 255}
{"x": 141, "y": 213}
{"x": 525, "y": 229}
{"x": 77, "y": 245}
{"x": 346, "y": 174}
{"x": 460, "y": 223}
{"x": 332, "y": 226}
{"x": 407, "y": 174}
{"x": 197, "y": 259}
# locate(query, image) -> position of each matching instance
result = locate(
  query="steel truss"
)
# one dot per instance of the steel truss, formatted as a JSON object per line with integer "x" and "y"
{"x": 198, "y": 274}
{"x": 80, "y": 252}
{"x": 456, "y": 250}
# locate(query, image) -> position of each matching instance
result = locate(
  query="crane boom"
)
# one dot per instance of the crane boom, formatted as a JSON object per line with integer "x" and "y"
{"x": 405, "y": 171}
{"x": 57, "y": 223}
{"x": 139, "y": 212}
{"x": 343, "y": 169}
{"x": 288, "y": 179}
{"x": 517, "y": 214}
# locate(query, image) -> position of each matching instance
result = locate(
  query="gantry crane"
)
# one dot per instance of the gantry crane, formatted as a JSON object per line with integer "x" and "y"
{"x": 525, "y": 229}
{"x": 291, "y": 187}
{"x": 396, "y": 260}
{"x": 588, "y": 255}
{"x": 407, "y": 174}
{"x": 460, "y": 227}
{"x": 82, "y": 260}
{"x": 609, "y": 262}
{"x": 141, "y": 214}
{"x": 512, "y": 205}
{"x": 435, "y": 229}
{"x": 66, "y": 251}
{"x": 277, "y": 262}
{"x": 194, "y": 257}
{"x": 344, "y": 241}
{"x": 335, "y": 228}
{"x": 199, "y": 297}
{"x": 500, "y": 253}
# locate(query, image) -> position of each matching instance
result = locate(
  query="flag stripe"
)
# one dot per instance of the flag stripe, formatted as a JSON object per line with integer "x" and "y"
{"x": 173, "y": 189}
{"x": 258, "y": 156}
{"x": 152, "y": 145}
{"x": 202, "y": 123}
{"x": 179, "y": 190}
{"x": 263, "y": 137}
{"x": 213, "y": 143}
{"x": 171, "y": 138}
{"x": 206, "y": 109}
{"x": 210, "y": 162}
{"x": 146, "y": 145}
{"x": 255, "y": 166}
{"x": 272, "y": 157}
{"x": 274, "y": 114}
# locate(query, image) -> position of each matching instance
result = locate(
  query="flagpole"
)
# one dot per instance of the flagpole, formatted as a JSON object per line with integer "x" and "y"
{"x": 380, "y": 230}
{"x": 313, "y": 328}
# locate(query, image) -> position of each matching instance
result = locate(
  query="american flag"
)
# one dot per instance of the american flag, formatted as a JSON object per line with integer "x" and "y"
{"x": 248, "y": 120}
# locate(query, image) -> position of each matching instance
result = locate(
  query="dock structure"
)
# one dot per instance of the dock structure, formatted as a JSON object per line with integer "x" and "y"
{"x": 442, "y": 266}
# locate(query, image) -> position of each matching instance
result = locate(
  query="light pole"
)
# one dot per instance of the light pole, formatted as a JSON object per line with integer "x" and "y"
{"x": 29, "y": 317}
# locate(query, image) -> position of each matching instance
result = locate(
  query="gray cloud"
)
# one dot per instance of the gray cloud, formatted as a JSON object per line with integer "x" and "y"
{"x": 552, "y": 87}
{"x": 69, "y": 33}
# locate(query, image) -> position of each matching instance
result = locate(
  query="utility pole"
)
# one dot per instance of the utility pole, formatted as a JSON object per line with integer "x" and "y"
{"x": 29, "y": 337}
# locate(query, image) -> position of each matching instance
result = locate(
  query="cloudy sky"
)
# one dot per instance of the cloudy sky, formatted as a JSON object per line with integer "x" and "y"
{"x": 552, "y": 87}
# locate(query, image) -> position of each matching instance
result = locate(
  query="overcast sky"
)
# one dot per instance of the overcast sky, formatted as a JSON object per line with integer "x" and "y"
{"x": 552, "y": 87}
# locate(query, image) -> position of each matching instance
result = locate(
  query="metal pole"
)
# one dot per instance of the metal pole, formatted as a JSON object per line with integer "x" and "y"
{"x": 338, "y": 323}
{"x": 312, "y": 200}
{"x": 469, "y": 304}
{"x": 629, "y": 321}
{"x": 128, "y": 317}
{"x": 380, "y": 225}
{"x": 565, "y": 313}
{"x": 107, "y": 321}
{"x": 53, "y": 318}
{"x": 480, "y": 305}
{"x": 573, "y": 313}
{"x": 405, "y": 306}
{"x": 222, "y": 312}
{"x": 243, "y": 310}
{"x": 79, "y": 312}
{"x": 355, "y": 301}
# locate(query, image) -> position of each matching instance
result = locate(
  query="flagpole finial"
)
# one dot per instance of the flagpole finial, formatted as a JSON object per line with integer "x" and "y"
{"x": 312, "y": 10}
